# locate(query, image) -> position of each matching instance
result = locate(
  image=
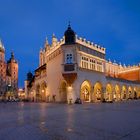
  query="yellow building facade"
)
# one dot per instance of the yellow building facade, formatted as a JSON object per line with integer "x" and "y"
{"x": 74, "y": 68}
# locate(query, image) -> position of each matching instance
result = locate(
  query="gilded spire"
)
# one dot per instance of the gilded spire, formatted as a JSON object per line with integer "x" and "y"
{"x": 69, "y": 24}
{"x": 1, "y": 46}
{"x": 0, "y": 42}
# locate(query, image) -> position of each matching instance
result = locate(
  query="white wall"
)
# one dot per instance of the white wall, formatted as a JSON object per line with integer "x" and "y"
{"x": 54, "y": 76}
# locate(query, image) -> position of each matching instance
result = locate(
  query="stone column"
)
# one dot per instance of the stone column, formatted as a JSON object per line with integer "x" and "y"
{"x": 103, "y": 93}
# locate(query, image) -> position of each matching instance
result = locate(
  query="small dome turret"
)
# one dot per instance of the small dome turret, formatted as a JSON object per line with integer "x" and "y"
{"x": 29, "y": 76}
{"x": 69, "y": 35}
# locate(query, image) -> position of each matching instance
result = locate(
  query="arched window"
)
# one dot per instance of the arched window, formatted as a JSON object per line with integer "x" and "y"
{"x": 69, "y": 59}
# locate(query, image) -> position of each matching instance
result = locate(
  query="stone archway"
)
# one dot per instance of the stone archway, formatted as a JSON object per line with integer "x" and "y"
{"x": 135, "y": 93}
{"x": 98, "y": 93}
{"x": 109, "y": 92}
{"x": 38, "y": 95}
{"x": 124, "y": 92}
{"x": 85, "y": 92}
{"x": 63, "y": 92}
{"x": 43, "y": 91}
{"x": 130, "y": 91}
{"x": 117, "y": 93}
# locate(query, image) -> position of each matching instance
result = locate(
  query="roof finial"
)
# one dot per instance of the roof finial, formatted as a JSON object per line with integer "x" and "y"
{"x": 69, "y": 24}
{"x": 46, "y": 38}
{"x": 12, "y": 55}
{"x": 47, "y": 42}
{"x": 53, "y": 35}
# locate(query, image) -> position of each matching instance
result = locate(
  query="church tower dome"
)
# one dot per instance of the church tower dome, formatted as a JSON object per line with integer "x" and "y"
{"x": 29, "y": 76}
{"x": 69, "y": 35}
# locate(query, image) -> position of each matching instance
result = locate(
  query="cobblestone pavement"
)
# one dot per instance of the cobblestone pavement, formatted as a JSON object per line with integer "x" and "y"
{"x": 43, "y": 121}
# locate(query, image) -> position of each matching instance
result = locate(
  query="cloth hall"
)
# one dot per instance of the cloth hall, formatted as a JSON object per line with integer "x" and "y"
{"x": 73, "y": 68}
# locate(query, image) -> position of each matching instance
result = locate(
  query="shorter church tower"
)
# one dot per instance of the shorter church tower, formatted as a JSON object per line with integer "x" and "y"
{"x": 12, "y": 70}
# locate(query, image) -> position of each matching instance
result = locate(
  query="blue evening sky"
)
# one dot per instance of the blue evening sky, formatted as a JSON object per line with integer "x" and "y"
{"x": 114, "y": 24}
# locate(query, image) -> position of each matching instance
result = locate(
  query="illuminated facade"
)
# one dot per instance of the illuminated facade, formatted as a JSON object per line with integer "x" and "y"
{"x": 74, "y": 68}
{"x": 8, "y": 75}
{"x": 21, "y": 94}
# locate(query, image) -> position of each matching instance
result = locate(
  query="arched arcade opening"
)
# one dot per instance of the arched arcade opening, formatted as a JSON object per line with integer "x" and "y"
{"x": 109, "y": 92}
{"x": 85, "y": 93}
{"x": 63, "y": 92}
{"x": 124, "y": 93}
{"x": 98, "y": 93}
{"x": 38, "y": 95}
{"x": 117, "y": 95}
{"x": 135, "y": 93}
{"x": 130, "y": 92}
{"x": 43, "y": 87}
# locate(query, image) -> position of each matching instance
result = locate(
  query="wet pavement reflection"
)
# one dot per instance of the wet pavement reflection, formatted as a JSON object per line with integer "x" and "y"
{"x": 43, "y": 121}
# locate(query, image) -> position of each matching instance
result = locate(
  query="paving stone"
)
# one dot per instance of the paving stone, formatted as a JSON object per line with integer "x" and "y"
{"x": 44, "y": 121}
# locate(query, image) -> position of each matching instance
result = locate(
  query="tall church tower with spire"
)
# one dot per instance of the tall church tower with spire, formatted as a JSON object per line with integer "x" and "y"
{"x": 2, "y": 70}
{"x": 2, "y": 51}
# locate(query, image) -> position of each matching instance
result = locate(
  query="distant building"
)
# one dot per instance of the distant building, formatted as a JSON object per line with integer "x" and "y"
{"x": 8, "y": 75}
{"x": 21, "y": 94}
{"x": 74, "y": 68}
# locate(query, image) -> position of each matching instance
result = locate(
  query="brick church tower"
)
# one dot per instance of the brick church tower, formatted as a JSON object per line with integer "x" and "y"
{"x": 2, "y": 70}
{"x": 12, "y": 74}
{"x": 8, "y": 75}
